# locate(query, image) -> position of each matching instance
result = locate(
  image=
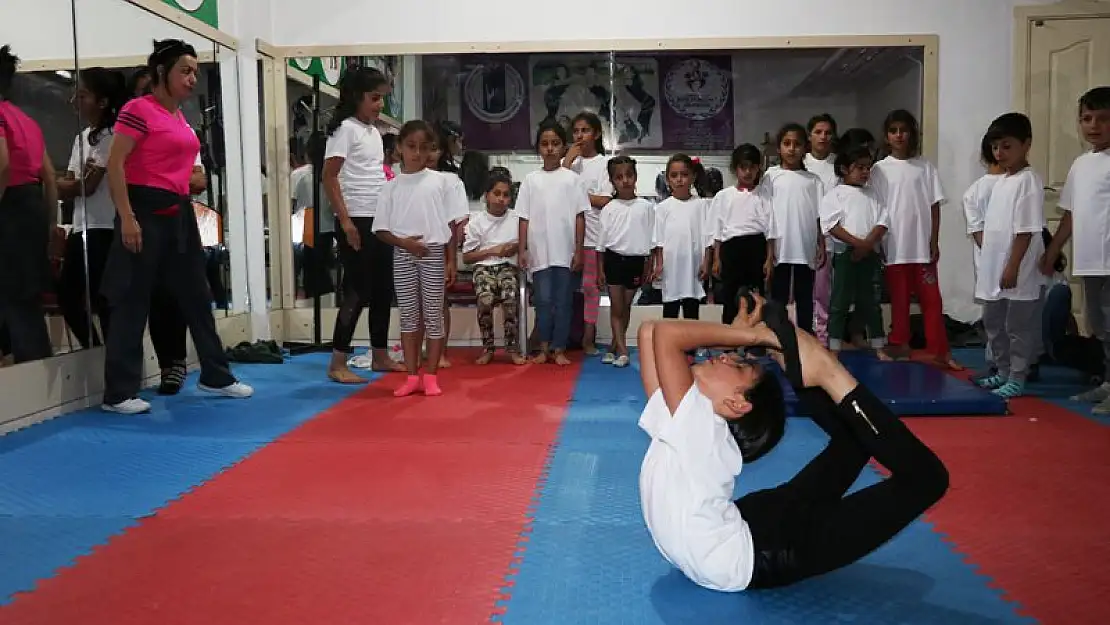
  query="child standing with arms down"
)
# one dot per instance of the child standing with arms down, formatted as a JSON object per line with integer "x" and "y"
{"x": 551, "y": 205}
{"x": 1085, "y": 201}
{"x": 491, "y": 246}
{"x": 978, "y": 195}
{"x": 417, "y": 213}
{"x": 798, "y": 249}
{"x": 1008, "y": 283}
{"x": 909, "y": 186}
{"x": 740, "y": 220}
{"x": 624, "y": 241}
{"x": 681, "y": 243}
{"x": 587, "y": 158}
{"x": 856, "y": 221}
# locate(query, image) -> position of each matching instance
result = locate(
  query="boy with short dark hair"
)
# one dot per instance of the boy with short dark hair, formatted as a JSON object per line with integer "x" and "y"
{"x": 1085, "y": 201}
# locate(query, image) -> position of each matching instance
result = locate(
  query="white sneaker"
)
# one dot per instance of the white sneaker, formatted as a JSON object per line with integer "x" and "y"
{"x": 362, "y": 361}
{"x": 235, "y": 390}
{"x": 609, "y": 358}
{"x": 621, "y": 361}
{"x": 128, "y": 406}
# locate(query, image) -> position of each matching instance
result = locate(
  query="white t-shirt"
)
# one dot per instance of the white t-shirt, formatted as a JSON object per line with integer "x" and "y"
{"x": 484, "y": 231}
{"x": 363, "y": 175}
{"x": 975, "y": 208}
{"x": 857, "y": 210}
{"x": 97, "y": 211}
{"x": 550, "y": 201}
{"x": 686, "y": 484}
{"x": 1016, "y": 207}
{"x": 795, "y": 197}
{"x": 681, "y": 230}
{"x": 824, "y": 168}
{"x": 908, "y": 188}
{"x": 627, "y": 227}
{"x": 736, "y": 213}
{"x": 425, "y": 203}
{"x": 594, "y": 173}
{"x": 1087, "y": 195}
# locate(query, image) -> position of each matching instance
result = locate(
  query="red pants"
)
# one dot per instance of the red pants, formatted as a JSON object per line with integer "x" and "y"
{"x": 904, "y": 281}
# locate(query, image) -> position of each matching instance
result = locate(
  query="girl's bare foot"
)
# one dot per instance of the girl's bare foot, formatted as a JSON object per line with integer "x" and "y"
{"x": 883, "y": 356}
{"x": 561, "y": 359}
{"x": 518, "y": 359}
{"x": 345, "y": 376}
{"x": 484, "y": 359}
{"x": 898, "y": 352}
{"x": 444, "y": 363}
{"x": 540, "y": 358}
{"x": 947, "y": 362}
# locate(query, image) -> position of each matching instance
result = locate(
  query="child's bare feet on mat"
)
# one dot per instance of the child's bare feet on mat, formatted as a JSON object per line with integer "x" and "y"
{"x": 345, "y": 376}
{"x": 561, "y": 359}
{"x": 540, "y": 358}
{"x": 444, "y": 363}
{"x": 518, "y": 359}
{"x": 384, "y": 364}
{"x": 484, "y": 359}
{"x": 883, "y": 356}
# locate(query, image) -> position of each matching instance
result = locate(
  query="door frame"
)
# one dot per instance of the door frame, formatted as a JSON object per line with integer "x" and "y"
{"x": 1024, "y": 19}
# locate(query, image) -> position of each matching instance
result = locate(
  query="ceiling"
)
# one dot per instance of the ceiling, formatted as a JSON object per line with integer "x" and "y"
{"x": 848, "y": 70}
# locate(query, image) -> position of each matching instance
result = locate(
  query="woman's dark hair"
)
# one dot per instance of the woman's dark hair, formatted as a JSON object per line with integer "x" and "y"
{"x": 745, "y": 155}
{"x": 822, "y": 118}
{"x": 902, "y": 116}
{"x": 986, "y": 151}
{"x": 9, "y": 62}
{"x": 353, "y": 86}
{"x": 757, "y": 432}
{"x": 617, "y": 161}
{"x": 849, "y": 155}
{"x": 445, "y": 131}
{"x": 595, "y": 124}
{"x": 110, "y": 86}
{"x": 165, "y": 56}
{"x": 414, "y": 126}
{"x": 496, "y": 178}
{"x": 136, "y": 78}
{"x": 1061, "y": 260}
{"x": 553, "y": 126}
{"x": 474, "y": 171}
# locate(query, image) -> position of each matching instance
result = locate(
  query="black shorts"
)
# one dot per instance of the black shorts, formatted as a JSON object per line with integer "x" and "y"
{"x": 624, "y": 271}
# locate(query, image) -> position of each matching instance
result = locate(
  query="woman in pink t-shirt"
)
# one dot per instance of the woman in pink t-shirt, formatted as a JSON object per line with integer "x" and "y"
{"x": 28, "y": 211}
{"x": 158, "y": 243}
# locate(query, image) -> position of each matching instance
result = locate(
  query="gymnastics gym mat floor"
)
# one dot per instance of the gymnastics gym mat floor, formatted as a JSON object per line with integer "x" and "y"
{"x": 513, "y": 498}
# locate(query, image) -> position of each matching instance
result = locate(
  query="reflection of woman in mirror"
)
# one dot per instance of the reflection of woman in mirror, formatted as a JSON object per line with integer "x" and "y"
{"x": 28, "y": 212}
{"x": 100, "y": 95}
{"x": 353, "y": 177}
{"x": 149, "y": 166}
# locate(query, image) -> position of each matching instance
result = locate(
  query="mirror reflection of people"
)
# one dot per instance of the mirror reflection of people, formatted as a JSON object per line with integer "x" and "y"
{"x": 100, "y": 95}
{"x": 28, "y": 213}
{"x": 149, "y": 168}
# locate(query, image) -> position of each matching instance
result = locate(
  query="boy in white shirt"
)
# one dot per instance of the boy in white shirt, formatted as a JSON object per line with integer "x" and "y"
{"x": 1008, "y": 282}
{"x": 1085, "y": 202}
{"x": 706, "y": 419}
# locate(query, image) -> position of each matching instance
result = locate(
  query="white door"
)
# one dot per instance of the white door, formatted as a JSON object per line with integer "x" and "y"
{"x": 1067, "y": 57}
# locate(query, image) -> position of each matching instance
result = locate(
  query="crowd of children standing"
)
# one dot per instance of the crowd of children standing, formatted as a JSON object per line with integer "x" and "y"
{"x": 840, "y": 216}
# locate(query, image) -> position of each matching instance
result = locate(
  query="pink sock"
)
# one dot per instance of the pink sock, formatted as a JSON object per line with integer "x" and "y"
{"x": 431, "y": 385}
{"x": 411, "y": 385}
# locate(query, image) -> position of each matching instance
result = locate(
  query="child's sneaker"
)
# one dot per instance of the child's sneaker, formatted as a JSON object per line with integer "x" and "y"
{"x": 1010, "y": 389}
{"x": 609, "y": 358}
{"x": 621, "y": 361}
{"x": 991, "y": 382}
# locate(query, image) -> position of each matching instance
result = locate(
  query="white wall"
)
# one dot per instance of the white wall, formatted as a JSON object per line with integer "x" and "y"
{"x": 975, "y": 56}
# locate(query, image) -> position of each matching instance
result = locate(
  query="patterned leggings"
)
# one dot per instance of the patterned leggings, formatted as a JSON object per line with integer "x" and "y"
{"x": 497, "y": 285}
{"x": 591, "y": 294}
{"x": 420, "y": 283}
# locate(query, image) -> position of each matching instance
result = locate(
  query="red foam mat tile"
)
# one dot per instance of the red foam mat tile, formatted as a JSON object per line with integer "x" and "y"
{"x": 1028, "y": 505}
{"x": 185, "y": 572}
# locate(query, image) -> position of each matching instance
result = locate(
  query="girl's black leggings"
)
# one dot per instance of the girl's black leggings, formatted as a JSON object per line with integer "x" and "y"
{"x": 807, "y": 527}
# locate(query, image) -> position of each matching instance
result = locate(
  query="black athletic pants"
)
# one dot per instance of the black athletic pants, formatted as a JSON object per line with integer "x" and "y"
{"x": 84, "y": 267}
{"x": 807, "y": 527}
{"x": 742, "y": 261}
{"x": 796, "y": 280}
{"x": 367, "y": 282}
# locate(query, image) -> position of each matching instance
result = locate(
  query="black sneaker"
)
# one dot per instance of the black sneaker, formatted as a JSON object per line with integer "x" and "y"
{"x": 173, "y": 378}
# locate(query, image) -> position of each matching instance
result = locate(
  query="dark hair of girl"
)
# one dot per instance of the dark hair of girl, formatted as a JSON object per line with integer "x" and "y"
{"x": 902, "y": 116}
{"x": 499, "y": 170}
{"x": 697, "y": 171}
{"x": 445, "y": 131}
{"x": 746, "y": 155}
{"x": 414, "y": 126}
{"x": 849, "y": 155}
{"x": 795, "y": 129}
{"x": 110, "y": 86}
{"x": 616, "y": 162}
{"x": 680, "y": 158}
{"x": 552, "y": 126}
{"x": 165, "y": 56}
{"x": 474, "y": 171}
{"x": 133, "y": 82}
{"x": 8, "y": 64}
{"x": 389, "y": 143}
{"x": 594, "y": 123}
{"x": 986, "y": 151}
{"x": 353, "y": 86}
{"x": 495, "y": 178}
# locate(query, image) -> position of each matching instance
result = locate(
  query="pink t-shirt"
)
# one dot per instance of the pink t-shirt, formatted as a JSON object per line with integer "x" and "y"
{"x": 25, "y": 145}
{"x": 166, "y": 147}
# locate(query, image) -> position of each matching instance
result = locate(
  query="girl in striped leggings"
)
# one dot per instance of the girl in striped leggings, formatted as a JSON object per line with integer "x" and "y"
{"x": 417, "y": 214}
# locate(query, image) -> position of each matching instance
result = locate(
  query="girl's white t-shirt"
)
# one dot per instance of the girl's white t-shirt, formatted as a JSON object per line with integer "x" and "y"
{"x": 551, "y": 201}
{"x": 484, "y": 231}
{"x": 594, "y": 173}
{"x": 1016, "y": 207}
{"x": 736, "y": 212}
{"x": 97, "y": 211}
{"x": 795, "y": 197}
{"x": 681, "y": 230}
{"x": 363, "y": 174}
{"x": 1086, "y": 195}
{"x": 857, "y": 210}
{"x": 627, "y": 227}
{"x": 975, "y": 208}
{"x": 824, "y": 168}
{"x": 424, "y": 204}
{"x": 908, "y": 188}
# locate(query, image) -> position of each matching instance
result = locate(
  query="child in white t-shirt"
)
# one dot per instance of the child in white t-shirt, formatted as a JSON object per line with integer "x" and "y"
{"x": 1085, "y": 201}
{"x": 417, "y": 214}
{"x": 490, "y": 245}
{"x": 1008, "y": 282}
{"x": 821, "y": 160}
{"x": 975, "y": 201}
{"x": 551, "y": 205}
{"x": 681, "y": 242}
